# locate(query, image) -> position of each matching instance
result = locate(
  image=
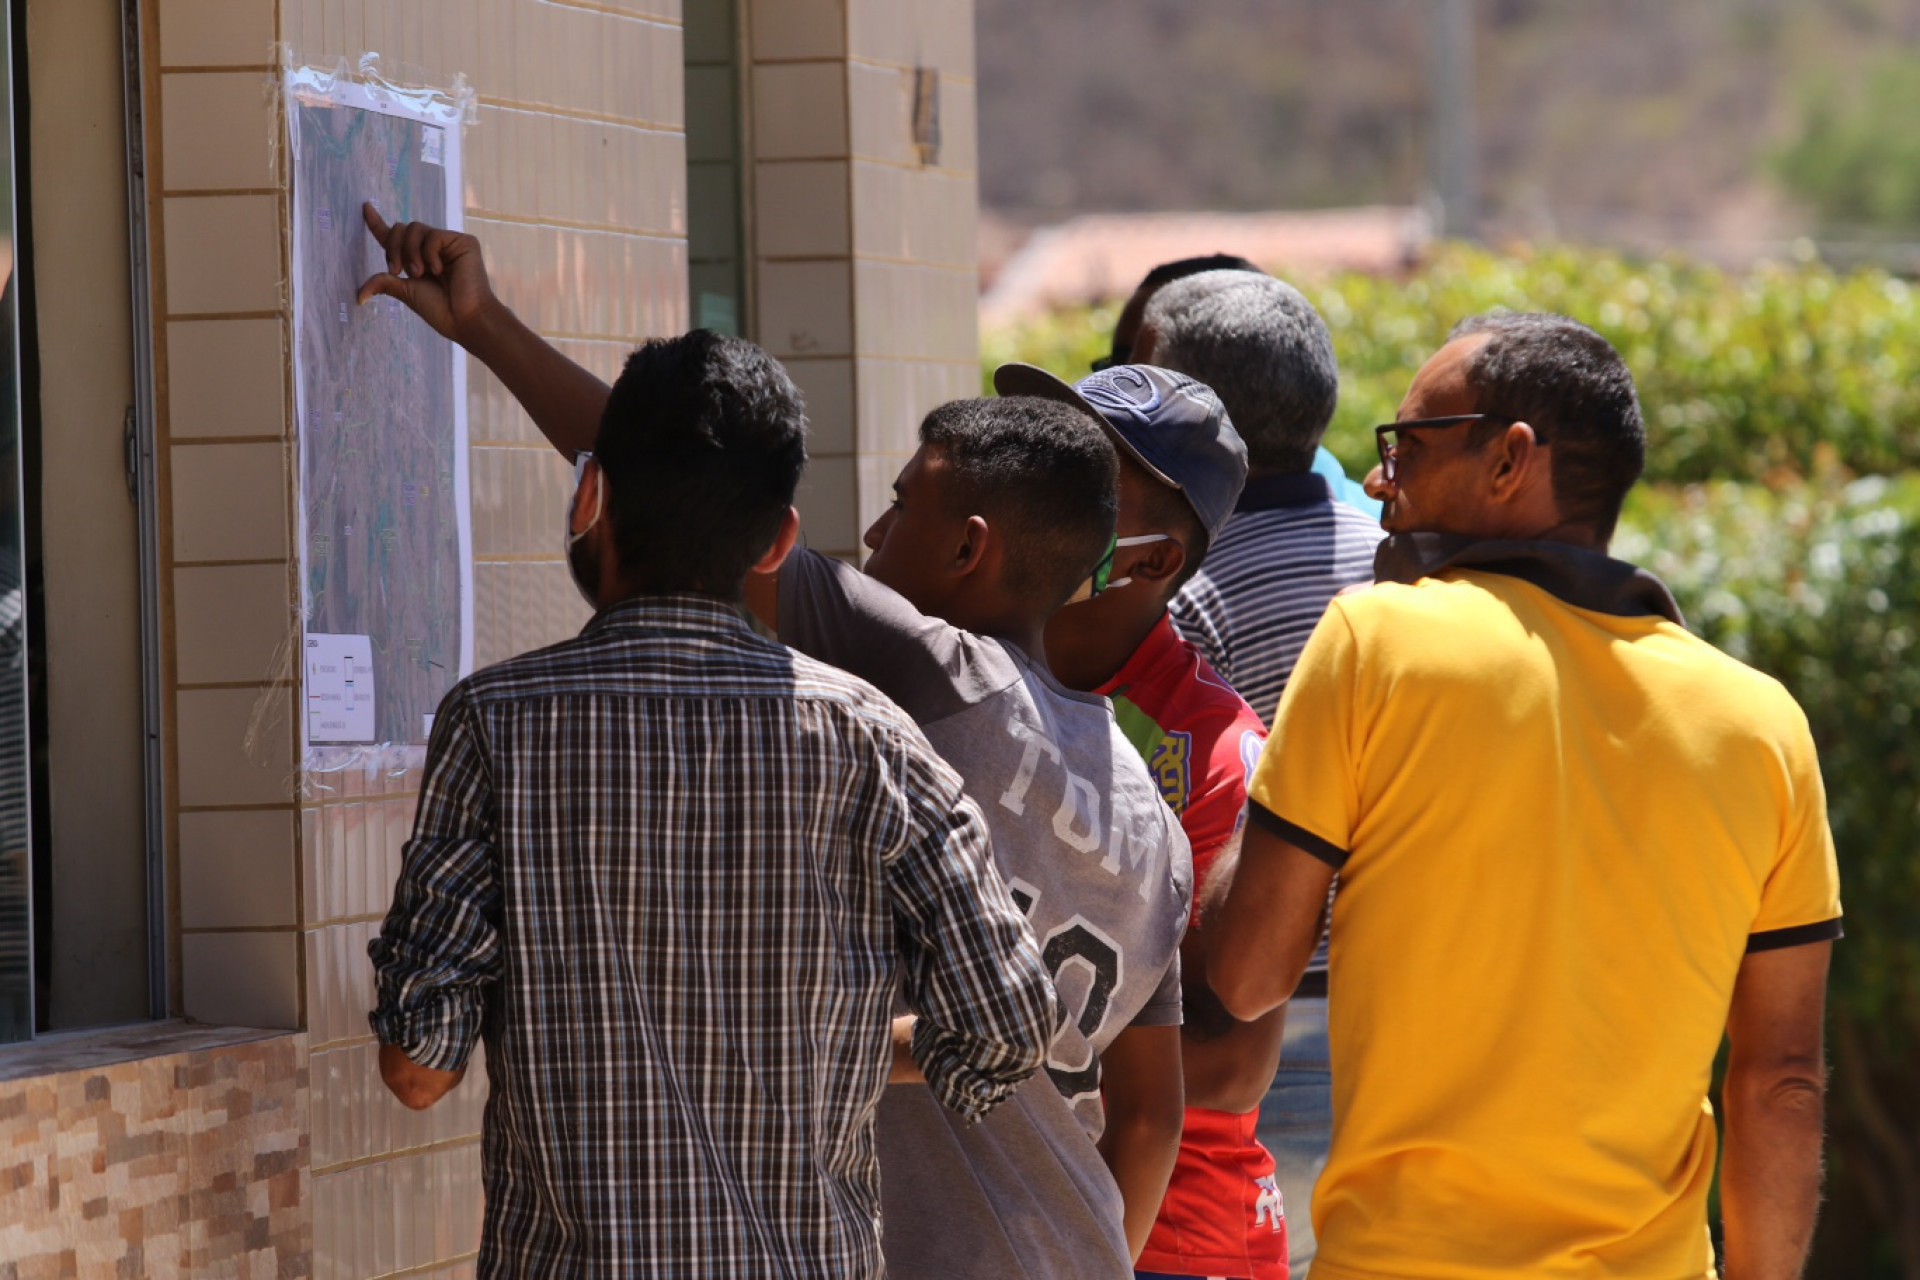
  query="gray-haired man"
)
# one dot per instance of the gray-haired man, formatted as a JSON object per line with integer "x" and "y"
{"x": 1289, "y": 549}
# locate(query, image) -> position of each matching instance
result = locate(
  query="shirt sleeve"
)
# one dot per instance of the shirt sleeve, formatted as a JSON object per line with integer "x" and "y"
{"x": 1196, "y": 614}
{"x": 971, "y": 969}
{"x": 1800, "y": 898}
{"x": 831, "y": 611}
{"x": 439, "y": 949}
{"x": 1164, "y": 1008}
{"x": 1218, "y": 808}
{"x": 1305, "y": 788}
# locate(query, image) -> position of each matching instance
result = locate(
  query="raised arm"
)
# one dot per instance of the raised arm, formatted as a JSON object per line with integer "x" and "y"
{"x": 1775, "y": 1099}
{"x": 442, "y": 276}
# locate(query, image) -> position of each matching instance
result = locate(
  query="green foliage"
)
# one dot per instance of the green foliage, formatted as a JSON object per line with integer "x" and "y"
{"x": 1856, "y": 160}
{"x": 1741, "y": 376}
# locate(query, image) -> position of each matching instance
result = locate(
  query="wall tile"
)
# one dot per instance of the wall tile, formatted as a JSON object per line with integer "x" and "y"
{"x": 913, "y": 33}
{"x": 806, "y": 308}
{"x": 236, "y": 869}
{"x": 959, "y": 127}
{"x": 233, "y": 623}
{"x": 709, "y": 31}
{"x": 226, "y": 378}
{"x": 880, "y": 114}
{"x": 800, "y": 111}
{"x": 520, "y": 498}
{"x": 216, "y": 33}
{"x": 222, "y": 254}
{"x": 229, "y": 501}
{"x": 799, "y": 29}
{"x": 827, "y": 386}
{"x": 829, "y": 506}
{"x": 801, "y": 209}
{"x": 241, "y": 979}
{"x": 235, "y": 746}
{"x": 216, "y": 132}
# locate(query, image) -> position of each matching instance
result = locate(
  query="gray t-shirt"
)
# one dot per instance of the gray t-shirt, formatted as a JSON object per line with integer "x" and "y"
{"x": 1099, "y": 863}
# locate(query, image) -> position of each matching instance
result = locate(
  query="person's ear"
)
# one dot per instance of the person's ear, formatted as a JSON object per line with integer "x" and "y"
{"x": 589, "y": 500}
{"x": 1146, "y": 344}
{"x": 783, "y": 543}
{"x": 1520, "y": 462}
{"x": 1152, "y": 562}
{"x": 976, "y": 539}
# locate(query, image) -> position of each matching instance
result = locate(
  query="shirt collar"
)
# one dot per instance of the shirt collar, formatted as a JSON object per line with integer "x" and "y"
{"x": 1270, "y": 493}
{"x": 678, "y": 611}
{"x": 1584, "y": 579}
{"x": 1160, "y": 642}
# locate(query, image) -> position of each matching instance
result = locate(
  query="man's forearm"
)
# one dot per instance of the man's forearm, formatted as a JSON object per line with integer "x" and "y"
{"x": 1770, "y": 1174}
{"x": 1140, "y": 1149}
{"x": 564, "y": 400}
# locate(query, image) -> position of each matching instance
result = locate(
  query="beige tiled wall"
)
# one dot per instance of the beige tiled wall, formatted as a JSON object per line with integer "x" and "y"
{"x": 865, "y": 254}
{"x": 577, "y": 180}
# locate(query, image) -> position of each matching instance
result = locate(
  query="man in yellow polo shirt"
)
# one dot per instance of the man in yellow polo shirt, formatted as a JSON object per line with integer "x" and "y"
{"x": 1576, "y": 844}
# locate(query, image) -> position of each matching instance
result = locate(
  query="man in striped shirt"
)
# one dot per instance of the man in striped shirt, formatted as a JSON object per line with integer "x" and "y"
{"x": 1289, "y": 549}
{"x": 673, "y": 874}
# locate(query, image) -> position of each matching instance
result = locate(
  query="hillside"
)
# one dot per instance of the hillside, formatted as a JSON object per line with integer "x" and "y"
{"x": 1633, "y": 121}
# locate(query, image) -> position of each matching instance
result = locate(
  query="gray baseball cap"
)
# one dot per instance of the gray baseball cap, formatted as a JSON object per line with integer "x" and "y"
{"x": 1170, "y": 424}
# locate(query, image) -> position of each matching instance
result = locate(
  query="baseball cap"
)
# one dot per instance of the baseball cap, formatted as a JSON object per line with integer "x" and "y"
{"x": 1169, "y": 423}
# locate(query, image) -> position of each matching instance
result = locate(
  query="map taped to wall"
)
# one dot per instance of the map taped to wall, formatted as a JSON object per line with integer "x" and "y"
{"x": 385, "y": 542}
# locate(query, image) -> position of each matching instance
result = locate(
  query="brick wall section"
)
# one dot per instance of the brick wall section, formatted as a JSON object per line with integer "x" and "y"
{"x": 192, "y": 1163}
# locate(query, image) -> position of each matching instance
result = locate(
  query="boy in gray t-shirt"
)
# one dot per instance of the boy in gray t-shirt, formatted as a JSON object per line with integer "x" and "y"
{"x": 1090, "y": 850}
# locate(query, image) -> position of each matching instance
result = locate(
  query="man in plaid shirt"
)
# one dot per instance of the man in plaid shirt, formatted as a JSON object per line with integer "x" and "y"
{"x": 672, "y": 874}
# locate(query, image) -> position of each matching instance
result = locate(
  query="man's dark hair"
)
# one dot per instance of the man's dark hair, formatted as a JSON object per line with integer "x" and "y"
{"x": 1265, "y": 352}
{"x": 702, "y": 444}
{"x": 1043, "y": 475}
{"x": 1180, "y": 269}
{"x": 1127, "y": 325}
{"x": 1570, "y": 385}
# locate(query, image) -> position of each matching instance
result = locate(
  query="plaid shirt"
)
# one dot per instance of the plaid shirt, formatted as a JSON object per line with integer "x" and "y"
{"x": 672, "y": 873}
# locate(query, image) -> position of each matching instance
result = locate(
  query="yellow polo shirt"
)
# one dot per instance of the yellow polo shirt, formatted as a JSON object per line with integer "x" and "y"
{"x": 1558, "y": 830}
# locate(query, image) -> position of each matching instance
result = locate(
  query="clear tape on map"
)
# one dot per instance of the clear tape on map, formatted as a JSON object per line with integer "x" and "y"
{"x": 381, "y": 447}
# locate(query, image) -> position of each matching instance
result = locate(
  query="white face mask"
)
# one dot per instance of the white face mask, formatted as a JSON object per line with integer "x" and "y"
{"x": 568, "y": 538}
{"x": 1138, "y": 540}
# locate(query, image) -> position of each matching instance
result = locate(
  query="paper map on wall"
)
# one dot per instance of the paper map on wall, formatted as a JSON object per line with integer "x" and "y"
{"x": 385, "y": 543}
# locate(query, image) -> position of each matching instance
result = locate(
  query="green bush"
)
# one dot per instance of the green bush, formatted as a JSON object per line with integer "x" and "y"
{"x": 1742, "y": 376}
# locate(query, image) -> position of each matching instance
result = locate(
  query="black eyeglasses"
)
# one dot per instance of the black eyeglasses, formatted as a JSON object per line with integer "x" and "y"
{"x": 1383, "y": 436}
{"x": 1120, "y": 355}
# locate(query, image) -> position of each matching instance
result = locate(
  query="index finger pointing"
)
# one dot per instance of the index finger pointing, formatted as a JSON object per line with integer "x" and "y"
{"x": 375, "y": 223}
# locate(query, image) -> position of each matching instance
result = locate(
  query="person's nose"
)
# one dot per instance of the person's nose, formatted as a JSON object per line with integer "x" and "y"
{"x": 1378, "y": 487}
{"x": 876, "y": 532}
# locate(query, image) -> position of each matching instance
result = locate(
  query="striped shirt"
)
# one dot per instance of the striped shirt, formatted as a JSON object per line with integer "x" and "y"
{"x": 1289, "y": 549}
{"x": 671, "y": 873}
{"x": 1260, "y": 592}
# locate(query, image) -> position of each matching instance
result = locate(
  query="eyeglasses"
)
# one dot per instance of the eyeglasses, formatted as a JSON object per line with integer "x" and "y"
{"x": 1385, "y": 436}
{"x": 1119, "y": 355}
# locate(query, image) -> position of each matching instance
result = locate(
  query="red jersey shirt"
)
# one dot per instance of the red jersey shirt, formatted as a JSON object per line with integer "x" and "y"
{"x": 1222, "y": 1215}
